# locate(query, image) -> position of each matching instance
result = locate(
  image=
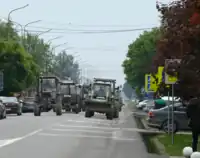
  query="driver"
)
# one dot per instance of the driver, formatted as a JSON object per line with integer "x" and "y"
{"x": 101, "y": 92}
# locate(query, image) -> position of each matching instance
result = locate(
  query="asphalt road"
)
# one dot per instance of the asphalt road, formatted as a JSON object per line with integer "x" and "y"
{"x": 70, "y": 136}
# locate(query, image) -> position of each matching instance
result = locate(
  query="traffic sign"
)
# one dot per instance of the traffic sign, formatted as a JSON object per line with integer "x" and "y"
{"x": 149, "y": 83}
{"x": 171, "y": 79}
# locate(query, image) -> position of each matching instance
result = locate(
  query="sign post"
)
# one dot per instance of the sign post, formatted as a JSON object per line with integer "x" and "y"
{"x": 171, "y": 80}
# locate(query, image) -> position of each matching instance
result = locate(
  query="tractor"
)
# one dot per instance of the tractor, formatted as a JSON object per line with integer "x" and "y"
{"x": 47, "y": 95}
{"x": 101, "y": 99}
{"x": 71, "y": 99}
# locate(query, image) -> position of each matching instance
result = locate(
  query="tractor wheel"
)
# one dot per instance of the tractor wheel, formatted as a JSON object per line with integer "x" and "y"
{"x": 116, "y": 114}
{"x": 59, "y": 110}
{"x": 109, "y": 116}
{"x": 88, "y": 113}
{"x": 37, "y": 111}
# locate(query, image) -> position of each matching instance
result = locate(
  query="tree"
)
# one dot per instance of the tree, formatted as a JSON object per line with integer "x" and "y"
{"x": 128, "y": 90}
{"x": 40, "y": 51}
{"x": 17, "y": 65}
{"x": 139, "y": 57}
{"x": 180, "y": 40}
{"x": 65, "y": 66}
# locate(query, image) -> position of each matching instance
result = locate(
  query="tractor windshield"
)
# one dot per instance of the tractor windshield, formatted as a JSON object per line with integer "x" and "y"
{"x": 65, "y": 89}
{"x": 73, "y": 89}
{"x": 48, "y": 84}
{"x": 101, "y": 90}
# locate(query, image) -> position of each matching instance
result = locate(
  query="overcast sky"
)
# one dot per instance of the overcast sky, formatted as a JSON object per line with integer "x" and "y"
{"x": 104, "y": 52}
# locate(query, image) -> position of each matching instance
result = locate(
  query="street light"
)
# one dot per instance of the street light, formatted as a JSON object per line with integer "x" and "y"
{"x": 29, "y": 24}
{"x": 59, "y": 45}
{"x": 9, "y": 15}
{"x": 43, "y": 32}
{"x": 16, "y": 10}
{"x": 54, "y": 39}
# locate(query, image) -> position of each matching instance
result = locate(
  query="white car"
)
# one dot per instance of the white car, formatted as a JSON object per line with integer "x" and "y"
{"x": 141, "y": 104}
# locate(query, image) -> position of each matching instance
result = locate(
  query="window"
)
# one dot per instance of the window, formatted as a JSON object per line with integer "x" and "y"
{"x": 73, "y": 89}
{"x": 65, "y": 89}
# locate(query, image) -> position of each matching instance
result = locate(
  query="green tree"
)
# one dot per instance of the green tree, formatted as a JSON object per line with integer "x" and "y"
{"x": 17, "y": 65}
{"x": 65, "y": 66}
{"x": 40, "y": 51}
{"x": 139, "y": 57}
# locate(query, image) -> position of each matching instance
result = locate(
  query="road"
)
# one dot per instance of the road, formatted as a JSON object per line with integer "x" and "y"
{"x": 70, "y": 136}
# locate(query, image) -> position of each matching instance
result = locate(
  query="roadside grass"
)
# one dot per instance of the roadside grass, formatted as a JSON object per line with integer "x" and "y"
{"x": 180, "y": 141}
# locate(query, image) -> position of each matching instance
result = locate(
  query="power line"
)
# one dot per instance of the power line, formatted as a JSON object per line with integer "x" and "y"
{"x": 90, "y": 25}
{"x": 92, "y": 32}
{"x": 67, "y": 29}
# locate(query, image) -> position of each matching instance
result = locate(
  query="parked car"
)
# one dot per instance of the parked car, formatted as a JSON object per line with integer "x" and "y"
{"x": 149, "y": 106}
{"x": 13, "y": 106}
{"x": 141, "y": 104}
{"x": 28, "y": 104}
{"x": 158, "y": 118}
{"x": 2, "y": 110}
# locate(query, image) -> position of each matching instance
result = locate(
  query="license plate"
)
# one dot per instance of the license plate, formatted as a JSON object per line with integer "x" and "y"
{"x": 8, "y": 109}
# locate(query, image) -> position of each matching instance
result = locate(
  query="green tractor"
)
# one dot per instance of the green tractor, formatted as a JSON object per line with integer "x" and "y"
{"x": 47, "y": 95}
{"x": 71, "y": 98}
{"x": 101, "y": 99}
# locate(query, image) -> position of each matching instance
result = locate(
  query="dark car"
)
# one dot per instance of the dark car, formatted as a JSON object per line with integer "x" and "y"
{"x": 13, "y": 106}
{"x": 28, "y": 104}
{"x": 2, "y": 110}
{"x": 158, "y": 118}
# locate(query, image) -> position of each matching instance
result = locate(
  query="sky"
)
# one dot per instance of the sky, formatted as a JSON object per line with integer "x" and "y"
{"x": 99, "y": 54}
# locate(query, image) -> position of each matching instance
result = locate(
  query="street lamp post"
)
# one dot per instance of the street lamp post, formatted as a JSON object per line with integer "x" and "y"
{"x": 9, "y": 15}
{"x": 43, "y": 32}
{"x": 25, "y": 31}
{"x": 29, "y": 24}
{"x": 49, "y": 41}
{"x": 59, "y": 45}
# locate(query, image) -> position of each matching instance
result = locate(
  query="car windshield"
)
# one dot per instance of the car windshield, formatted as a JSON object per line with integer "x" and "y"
{"x": 29, "y": 99}
{"x": 8, "y": 99}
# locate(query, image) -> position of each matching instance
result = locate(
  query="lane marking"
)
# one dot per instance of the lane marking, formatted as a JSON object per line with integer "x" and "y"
{"x": 77, "y": 130}
{"x": 85, "y": 136}
{"x": 92, "y": 127}
{"x": 91, "y": 122}
{"x": 104, "y": 128}
{"x": 11, "y": 141}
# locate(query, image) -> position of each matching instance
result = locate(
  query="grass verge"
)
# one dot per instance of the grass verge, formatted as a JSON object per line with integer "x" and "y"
{"x": 148, "y": 139}
{"x": 180, "y": 141}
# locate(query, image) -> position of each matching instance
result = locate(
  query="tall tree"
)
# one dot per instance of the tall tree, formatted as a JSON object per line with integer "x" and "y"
{"x": 40, "y": 51}
{"x": 17, "y": 65}
{"x": 180, "y": 39}
{"x": 65, "y": 66}
{"x": 139, "y": 57}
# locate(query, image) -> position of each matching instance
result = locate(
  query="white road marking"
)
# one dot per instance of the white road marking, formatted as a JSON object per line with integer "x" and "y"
{"x": 11, "y": 141}
{"x": 77, "y": 130}
{"x": 92, "y": 127}
{"x": 31, "y": 134}
{"x": 91, "y": 122}
{"x": 116, "y": 134}
{"x": 85, "y": 136}
{"x": 103, "y": 128}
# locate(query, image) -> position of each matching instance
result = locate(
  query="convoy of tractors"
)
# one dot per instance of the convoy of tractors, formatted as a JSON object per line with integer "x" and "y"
{"x": 101, "y": 96}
